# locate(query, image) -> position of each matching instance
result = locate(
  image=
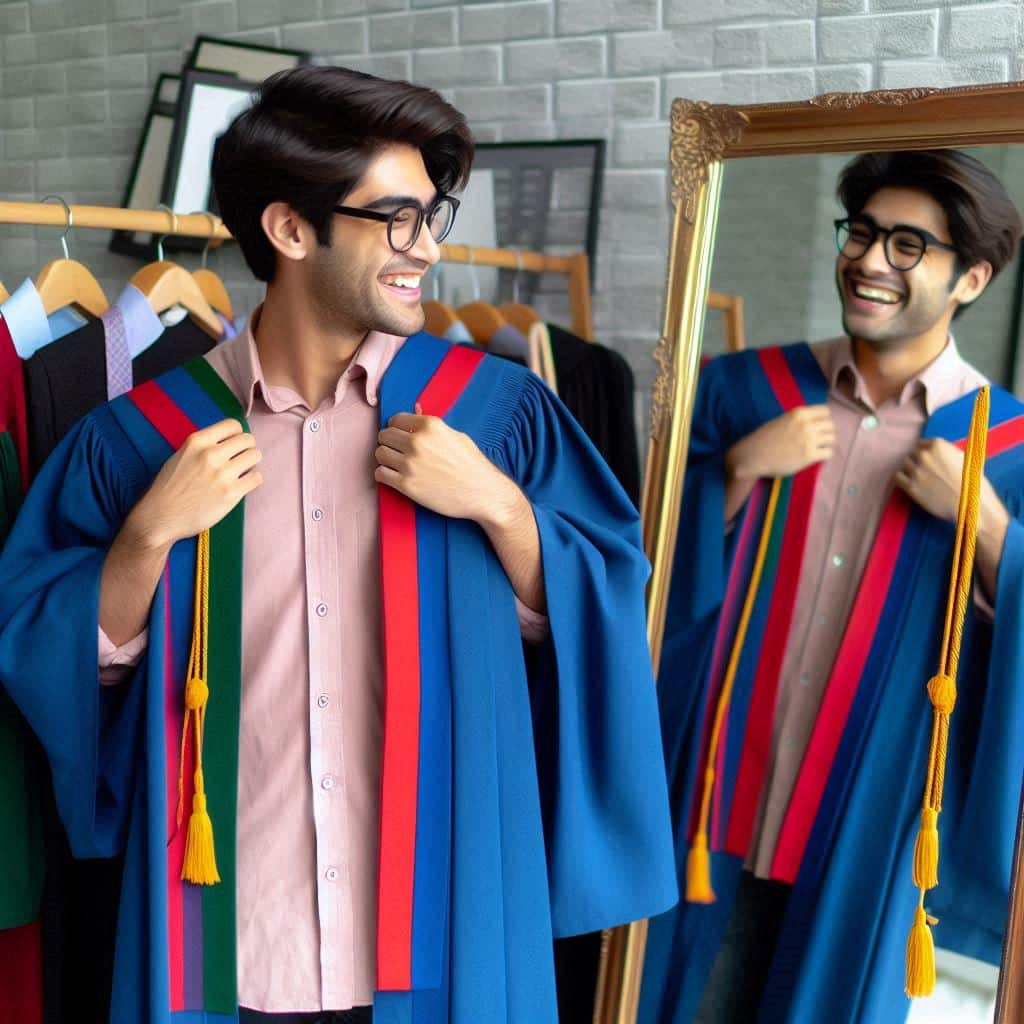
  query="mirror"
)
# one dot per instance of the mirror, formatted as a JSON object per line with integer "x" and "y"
{"x": 831, "y": 839}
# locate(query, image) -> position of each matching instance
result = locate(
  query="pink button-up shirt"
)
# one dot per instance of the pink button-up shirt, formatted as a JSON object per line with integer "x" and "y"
{"x": 853, "y": 487}
{"x": 312, "y": 687}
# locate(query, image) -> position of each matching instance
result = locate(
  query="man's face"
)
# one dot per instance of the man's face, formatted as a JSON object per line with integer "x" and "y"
{"x": 886, "y": 307}
{"x": 359, "y": 282}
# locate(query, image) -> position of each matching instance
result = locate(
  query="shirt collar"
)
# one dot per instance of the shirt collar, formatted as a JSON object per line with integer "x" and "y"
{"x": 939, "y": 383}
{"x": 141, "y": 324}
{"x": 370, "y": 363}
{"x": 26, "y": 319}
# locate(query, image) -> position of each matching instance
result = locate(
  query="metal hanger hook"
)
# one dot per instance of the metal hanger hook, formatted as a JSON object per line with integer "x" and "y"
{"x": 213, "y": 230}
{"x": 474, "y": 276}
{"x": 519, "y": 274}
{"x": 68, "y": 225}
{"x": 173, "y": 231}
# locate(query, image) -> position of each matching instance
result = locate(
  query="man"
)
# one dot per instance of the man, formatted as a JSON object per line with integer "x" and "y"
{"x": 330, "y": 727}
{"x": 813, "y": 808}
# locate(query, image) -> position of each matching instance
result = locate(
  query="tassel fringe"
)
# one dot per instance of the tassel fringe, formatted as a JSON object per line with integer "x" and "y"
{"x": 698, "y": 872}
{"x": 200, "y": 863}
{"x": 920, "y": 980}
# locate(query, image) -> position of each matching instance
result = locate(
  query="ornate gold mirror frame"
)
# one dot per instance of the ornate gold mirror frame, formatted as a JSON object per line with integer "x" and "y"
{"x": 705, "y": 135}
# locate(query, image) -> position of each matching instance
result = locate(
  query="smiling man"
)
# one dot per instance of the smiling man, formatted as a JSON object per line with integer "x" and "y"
{"x": 815, "y": 789}
{"x": 365, "y": 758}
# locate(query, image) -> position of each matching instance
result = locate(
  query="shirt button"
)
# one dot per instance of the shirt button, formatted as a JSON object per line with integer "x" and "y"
{"x": 790, "y": 742}
{"x": 331, "y": 874}
{"x": 314, "y": 425}
{"x": 822, "y": 618}
{"x": 318, "y": 514}
{"x": 321, "y": 609}
{"x": 869, "y": 422}
{"x": 852, "y": 490}
{"x": 838, "y": 561}
{"x": 323, "y": 700}
{"x": 805, "y": 678}
{"x": 327, "y": 782}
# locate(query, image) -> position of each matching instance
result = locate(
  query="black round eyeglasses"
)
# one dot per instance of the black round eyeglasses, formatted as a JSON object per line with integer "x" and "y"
{"x": 904, "y": 246}
{"x": 405, "y": 222}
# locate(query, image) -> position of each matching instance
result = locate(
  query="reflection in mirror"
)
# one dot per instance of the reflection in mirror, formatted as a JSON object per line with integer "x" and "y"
{"x": 808, "y": 603}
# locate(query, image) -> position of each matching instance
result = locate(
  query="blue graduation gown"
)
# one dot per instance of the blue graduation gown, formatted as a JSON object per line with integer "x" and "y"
{"x": 548, "y": 777}
{"x": 847, "y": 844}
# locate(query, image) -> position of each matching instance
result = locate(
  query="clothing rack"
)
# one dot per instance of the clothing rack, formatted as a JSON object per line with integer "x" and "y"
{"x": 200, "y": 225}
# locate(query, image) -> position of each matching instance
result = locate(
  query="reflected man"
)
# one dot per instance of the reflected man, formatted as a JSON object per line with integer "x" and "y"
{"x": 809, "y": 803}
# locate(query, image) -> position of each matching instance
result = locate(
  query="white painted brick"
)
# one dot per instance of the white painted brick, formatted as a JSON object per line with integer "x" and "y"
{"x": 342, "y": 8}
{"x": 210, "y": 19}
{"x": 845, "y": 78}
{"x": 72, "y": 43}
{"x": 121, "y": 10}
{"x": 19, "y": 49}
{"x": 486, "y": 131}
{"x": 161, "y": 7}
{"x": 139, "y": 36}
{"x": 412, "y": 30}
{"x": 555, "y": 59}
{"x": 986, "y": 27}
{"x": 660, "y": 52}
{"x": 167, "y": 62}
{"x": 571, "y": 189}
{"x": 739, "y": 46}
{"x": 486, "y": 23}
{"x": 68, "y": 175}
{"x": 56, "y": 14}
{"x": 792, "y": 42}
{"x": 78, "y": 108}
{"x": 530, "y": 131}
{"x": 17, "y": 113}
{"x": 461, "y": 66}
{"x": 257, "y": 36}
{"x": 632, "y": 272}
{"x": 696, "y": 12}
{"x": 128, "y": 70}
{"x": 345, "y": 36}
{"x": 578, "y": 16}
{"x": 632, "y": 190}
{"x": 623, "y": 98}
{"x": 641, "y": 144}
{"x": 383, "y": 65}
{"x": 260, "y": 13}
{"x": 28, "y": 144}
{"x": 874, "y": 36}
{"x": 900, "y": 74}
{"x": 505, "y": 103}
{"x": 13, "y": 18}
{"x": 93, "y": 139}
{"x": 128, "y": 105}
{"x": 34, "y": 81}
{"x": 741, "y": 87}
{"x": 906, "y": 5}
{"x": 826, "y": 7}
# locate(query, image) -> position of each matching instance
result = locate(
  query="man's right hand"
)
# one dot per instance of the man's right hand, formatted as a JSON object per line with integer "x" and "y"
{"x": 781, "y": 447}
{"x": 198, "y": 485}
{"x": 196, "y": 488}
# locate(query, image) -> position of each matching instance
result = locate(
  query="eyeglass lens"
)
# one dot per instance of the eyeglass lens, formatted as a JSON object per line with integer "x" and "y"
{"x": 407, "y": 221}
{"x": 903, "y": 249}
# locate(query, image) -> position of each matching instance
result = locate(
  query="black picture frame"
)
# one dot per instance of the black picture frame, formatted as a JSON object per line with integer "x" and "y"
{"x": 524, "y": 190}
{"x": 145, "y": 182}
{"x": 187, "y": 187}
{"x": 249, "y": 62}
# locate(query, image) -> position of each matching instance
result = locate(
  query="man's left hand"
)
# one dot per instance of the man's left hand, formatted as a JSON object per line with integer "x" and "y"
{"x": 441, "y": 469}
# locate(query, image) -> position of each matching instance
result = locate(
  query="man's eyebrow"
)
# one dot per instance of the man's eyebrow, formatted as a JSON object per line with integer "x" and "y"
{"x": 393, "y": 202}
{"x": 896, "y": 227}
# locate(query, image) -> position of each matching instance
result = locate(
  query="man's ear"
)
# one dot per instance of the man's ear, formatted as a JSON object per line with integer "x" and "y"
{"x": 972, "y": 282}
{"x": 289, "y": 233}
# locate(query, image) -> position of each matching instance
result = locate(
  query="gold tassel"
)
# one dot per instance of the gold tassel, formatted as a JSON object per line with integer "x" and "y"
{"x": 926, "y": 851}
{"x": 920, "y": 980}
{"x": 698, "y": 872}
{"x": 200, "y": 863}
{"x": 942, "y": 693}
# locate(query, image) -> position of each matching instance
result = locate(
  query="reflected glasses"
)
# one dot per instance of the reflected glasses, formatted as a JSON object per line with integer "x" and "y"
{"x": 406, "y": 222}
{"x": 904, "y": 246}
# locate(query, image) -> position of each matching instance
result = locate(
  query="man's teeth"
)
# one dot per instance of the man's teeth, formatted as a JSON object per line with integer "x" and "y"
{"x": 410, "y": 281}
{"x": 863, "y": 291}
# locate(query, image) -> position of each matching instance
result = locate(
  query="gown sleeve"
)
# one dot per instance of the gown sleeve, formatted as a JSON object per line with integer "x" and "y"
{"x": 49, "y": 616}
{"x": 599, "y": 755}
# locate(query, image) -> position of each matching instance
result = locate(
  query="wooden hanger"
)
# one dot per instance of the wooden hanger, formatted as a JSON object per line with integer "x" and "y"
{"x": 4, "y": 293}
{"x": 209, "y": 283}
{"x": 519, "y": 315}
{"x": 165, "y": 284}
{"x": 66, "y": 282}
{"x": 438, "y": 317}
{"x": 482, "y": 320}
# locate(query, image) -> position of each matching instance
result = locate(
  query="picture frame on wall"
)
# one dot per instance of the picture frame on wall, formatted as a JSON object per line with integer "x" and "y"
{"x": 247, "y": 61}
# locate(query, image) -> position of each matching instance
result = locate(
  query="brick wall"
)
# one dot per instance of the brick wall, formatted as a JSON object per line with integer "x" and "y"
{"x": 75, "y": 79}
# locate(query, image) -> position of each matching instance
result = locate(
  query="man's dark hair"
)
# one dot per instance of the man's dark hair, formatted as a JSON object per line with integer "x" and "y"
{"x": 308, "y": 138}
{"x": 983, "y": 222}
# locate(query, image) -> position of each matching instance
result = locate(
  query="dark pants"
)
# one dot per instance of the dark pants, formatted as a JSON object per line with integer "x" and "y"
{"x": 744, "y": 960}
{"x": 357, "y": 1015}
